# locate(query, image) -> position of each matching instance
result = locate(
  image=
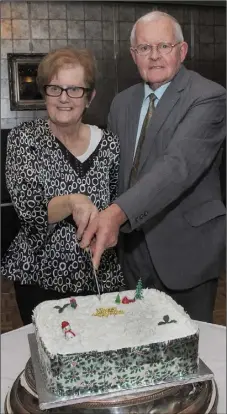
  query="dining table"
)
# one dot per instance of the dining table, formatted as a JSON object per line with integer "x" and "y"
{"x": 15, "y": 352}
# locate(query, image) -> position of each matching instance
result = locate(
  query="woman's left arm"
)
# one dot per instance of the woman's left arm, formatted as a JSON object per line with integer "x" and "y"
{"x": 114, "y": 169}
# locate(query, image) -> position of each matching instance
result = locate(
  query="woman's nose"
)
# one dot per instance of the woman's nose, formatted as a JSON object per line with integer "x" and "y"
{"x": 64, "y": 97}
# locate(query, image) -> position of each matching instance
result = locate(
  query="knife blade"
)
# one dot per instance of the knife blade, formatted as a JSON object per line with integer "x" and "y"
{"x": 94, "y": 273}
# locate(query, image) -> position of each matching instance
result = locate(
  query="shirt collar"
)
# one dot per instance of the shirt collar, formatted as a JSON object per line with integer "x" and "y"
{"x": 158, "y": 92}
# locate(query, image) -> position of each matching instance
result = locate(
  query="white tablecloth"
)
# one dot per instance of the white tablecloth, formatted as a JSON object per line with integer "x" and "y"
{"x": 212, "y": 350}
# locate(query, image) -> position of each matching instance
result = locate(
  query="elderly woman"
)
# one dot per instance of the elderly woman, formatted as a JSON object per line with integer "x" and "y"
{"x": 60, "y": 172}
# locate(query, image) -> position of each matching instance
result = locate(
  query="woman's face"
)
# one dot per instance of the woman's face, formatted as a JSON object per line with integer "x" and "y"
{"x": 64, "y": 110}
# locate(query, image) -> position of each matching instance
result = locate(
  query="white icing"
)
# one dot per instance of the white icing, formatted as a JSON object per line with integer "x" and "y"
{"x": 137, "y": 326}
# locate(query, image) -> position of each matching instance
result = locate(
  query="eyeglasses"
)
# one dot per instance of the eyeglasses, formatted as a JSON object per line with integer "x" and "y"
{"x": 161, "y": 48}
{"x": 72, "y": 91}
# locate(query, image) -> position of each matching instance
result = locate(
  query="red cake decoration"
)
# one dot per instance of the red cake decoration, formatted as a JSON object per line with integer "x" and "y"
{"x": 126, "y": 300}
{"x": 73, "y": 303}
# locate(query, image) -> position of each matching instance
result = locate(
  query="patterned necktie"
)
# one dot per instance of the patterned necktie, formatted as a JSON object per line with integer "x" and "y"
{"x": 146, "y": 121}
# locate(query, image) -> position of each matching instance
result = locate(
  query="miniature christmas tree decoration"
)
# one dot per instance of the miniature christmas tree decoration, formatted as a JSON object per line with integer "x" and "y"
{"x": 139, "y": 290}
{"x": 73, "y": 303}
{"x": 118, "y": 299}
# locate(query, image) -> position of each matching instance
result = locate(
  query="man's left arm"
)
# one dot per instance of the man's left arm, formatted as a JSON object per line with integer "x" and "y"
{"x": 190, "y": 153}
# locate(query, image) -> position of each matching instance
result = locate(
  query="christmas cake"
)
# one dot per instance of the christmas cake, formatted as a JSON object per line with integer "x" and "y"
{"x": 125, "y": 341}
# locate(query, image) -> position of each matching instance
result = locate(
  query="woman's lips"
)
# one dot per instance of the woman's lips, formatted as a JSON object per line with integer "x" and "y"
{"x": 64, "y": 109}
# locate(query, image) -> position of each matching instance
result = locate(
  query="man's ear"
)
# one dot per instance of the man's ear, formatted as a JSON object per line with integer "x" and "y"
{"x": 91, "y": 98}
{"x": 133, "y": 54}
{"x": 183, "y": 50}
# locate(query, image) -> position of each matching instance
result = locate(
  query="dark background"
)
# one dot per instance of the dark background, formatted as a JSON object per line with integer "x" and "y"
{"x": 204, "y": 28}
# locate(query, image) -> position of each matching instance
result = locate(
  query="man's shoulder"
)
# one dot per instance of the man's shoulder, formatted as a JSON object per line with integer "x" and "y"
{"x": 126, "y": 95}
{"x": 200, "y": 84}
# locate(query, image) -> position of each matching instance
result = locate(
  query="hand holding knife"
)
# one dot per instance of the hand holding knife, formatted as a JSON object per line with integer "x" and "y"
{"x": 88, "y": 250}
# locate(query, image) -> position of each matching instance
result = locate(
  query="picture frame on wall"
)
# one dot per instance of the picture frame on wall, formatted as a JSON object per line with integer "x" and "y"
{"x": 23, "y": 88}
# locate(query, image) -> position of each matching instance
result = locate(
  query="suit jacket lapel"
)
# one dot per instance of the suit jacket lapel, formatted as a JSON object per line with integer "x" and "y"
{"x": 133, "y": 115}
{"x": 162, "y": 111}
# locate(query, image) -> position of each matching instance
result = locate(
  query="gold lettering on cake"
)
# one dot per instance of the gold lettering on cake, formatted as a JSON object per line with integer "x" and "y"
{"x": 105, "y": 312}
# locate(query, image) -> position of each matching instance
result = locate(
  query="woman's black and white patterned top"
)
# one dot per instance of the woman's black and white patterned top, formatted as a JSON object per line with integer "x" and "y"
{"x": 38, "y": 168}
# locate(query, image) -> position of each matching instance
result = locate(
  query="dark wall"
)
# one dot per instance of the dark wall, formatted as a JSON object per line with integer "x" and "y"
{"x": 204, "y": 28}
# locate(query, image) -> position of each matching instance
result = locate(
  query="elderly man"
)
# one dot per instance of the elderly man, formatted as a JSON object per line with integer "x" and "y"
{"x": 169, "y": 211}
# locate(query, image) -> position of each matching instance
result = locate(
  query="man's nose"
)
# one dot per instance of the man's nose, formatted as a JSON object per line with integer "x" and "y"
{"x": 154, "y": 53}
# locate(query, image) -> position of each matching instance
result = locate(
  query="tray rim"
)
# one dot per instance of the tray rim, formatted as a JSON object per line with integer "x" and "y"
{"x": 214, "y": 399}
{"x": 210, "y": 409}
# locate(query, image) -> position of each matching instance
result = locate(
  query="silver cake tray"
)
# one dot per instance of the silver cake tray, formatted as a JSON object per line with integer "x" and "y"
{"x": 48, "y": 400}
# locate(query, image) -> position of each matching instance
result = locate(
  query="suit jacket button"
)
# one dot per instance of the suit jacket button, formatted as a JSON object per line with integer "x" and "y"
{"x": 141, "y": 216}
{"x": 146, "y": 213}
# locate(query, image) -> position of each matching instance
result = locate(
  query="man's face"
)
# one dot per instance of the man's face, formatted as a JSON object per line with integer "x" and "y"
{"x": 155, "y": 68}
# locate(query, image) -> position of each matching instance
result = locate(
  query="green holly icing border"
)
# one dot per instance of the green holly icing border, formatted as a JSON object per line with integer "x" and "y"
{"x": 95, "y": 372}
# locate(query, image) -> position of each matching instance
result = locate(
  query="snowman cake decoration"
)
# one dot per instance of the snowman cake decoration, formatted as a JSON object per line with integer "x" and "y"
{"x": 66, "y": 329}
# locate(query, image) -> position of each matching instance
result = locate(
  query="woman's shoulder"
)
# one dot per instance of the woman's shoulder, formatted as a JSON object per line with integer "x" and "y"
{"x": 29, "y": 132}
{"x": 103, "y": 131}
{"x": 104, "y": 135}
{"x": 109, "y": 136}
{"x": 112, "y": 140}
{"x": 27, "y": 127}
{"x": 108, "y": 133}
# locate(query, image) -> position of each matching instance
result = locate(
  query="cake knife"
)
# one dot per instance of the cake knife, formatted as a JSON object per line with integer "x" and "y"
{"x": 94, "y": 273}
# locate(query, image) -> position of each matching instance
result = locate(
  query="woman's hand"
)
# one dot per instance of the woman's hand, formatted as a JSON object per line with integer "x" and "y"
{"x": 83, "y": 212}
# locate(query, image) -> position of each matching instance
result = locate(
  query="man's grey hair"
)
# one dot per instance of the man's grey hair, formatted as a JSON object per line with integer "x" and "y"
{"x": 154, "y": 16}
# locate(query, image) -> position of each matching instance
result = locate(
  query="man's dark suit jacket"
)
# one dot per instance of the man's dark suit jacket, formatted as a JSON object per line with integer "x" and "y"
{"x": 177, "y": 199}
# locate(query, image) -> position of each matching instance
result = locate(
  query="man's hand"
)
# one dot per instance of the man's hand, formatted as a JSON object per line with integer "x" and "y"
{"x": 102, "y": 232}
